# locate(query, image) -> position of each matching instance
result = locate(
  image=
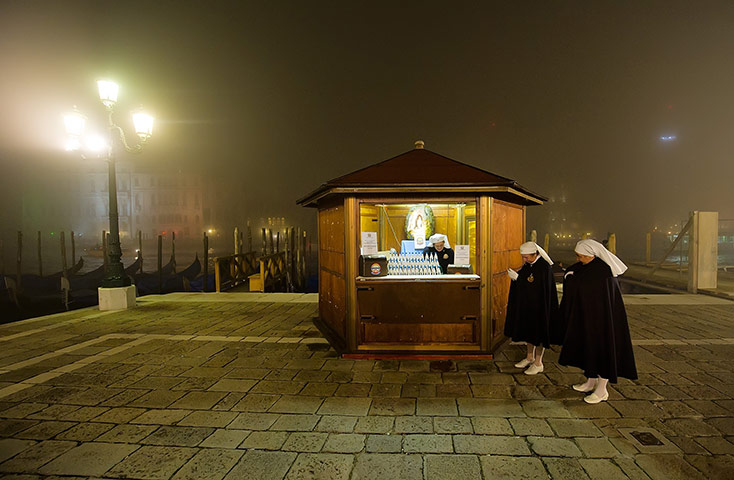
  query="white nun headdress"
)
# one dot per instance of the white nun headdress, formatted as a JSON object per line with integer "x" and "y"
{"x": 529, "y": 248}
{"x": 592, "y": 248}
{"x": 439, "y": 237}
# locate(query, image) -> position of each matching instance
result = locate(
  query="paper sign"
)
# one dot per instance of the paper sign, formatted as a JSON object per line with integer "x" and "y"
{"x": 369, "y": 243}
{"x": 461, "y": 255}
{"x": 420, "y": 241}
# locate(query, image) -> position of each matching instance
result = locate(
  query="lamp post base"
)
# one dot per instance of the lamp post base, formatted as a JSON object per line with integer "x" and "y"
{"x": 118, "y": 298}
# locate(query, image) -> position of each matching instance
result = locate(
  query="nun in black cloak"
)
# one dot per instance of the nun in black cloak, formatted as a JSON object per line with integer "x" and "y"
{"x": 532, "y": 306}
{"x": 596, "y": 337}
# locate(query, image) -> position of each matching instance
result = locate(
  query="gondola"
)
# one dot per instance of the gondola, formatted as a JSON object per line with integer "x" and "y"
{"x": 147, "y": 283}
{"x": 83, "y": 288}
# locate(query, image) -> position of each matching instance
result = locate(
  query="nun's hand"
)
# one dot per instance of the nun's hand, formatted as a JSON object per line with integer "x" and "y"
{"x": 512, "y": 274}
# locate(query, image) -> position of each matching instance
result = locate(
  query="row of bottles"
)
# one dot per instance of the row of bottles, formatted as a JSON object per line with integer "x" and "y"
{"x": 413, "y": 264}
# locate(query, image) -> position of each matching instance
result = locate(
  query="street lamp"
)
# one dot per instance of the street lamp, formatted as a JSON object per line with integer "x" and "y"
{"x": 115, "y": 274}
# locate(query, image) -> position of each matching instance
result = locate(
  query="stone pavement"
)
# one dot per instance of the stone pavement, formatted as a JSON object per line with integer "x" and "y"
{"x": 239, "y": 386}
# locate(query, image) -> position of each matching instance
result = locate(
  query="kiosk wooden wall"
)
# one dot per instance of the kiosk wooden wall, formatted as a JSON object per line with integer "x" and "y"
{"x": 332, "y": 264}
{"x": 508, "y": 231}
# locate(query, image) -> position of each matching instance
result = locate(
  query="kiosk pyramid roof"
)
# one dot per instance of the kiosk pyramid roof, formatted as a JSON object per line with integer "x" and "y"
{"x": 418, "y": 168}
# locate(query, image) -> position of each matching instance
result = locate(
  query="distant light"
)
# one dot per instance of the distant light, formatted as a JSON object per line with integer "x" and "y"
{"x": 96, "y": 143}
{"x": 668, "y": 138}
{"x": 211, "y": 230}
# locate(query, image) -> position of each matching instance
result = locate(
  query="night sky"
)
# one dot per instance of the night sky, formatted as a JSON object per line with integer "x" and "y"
{"x": 567, "y": 97}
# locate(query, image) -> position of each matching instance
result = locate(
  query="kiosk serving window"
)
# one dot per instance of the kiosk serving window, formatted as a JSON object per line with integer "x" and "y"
{"x": 405, "y": 228}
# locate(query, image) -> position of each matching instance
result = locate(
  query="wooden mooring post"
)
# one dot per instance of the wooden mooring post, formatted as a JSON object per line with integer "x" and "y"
{"x": 40, "y": 256}
{"x": 64, "y": 264}
{"x": 160, "y": 263}
{"x": 173, "y": 250}
{"x": 249, "y": 237}
{"x": 648, "y": 245}
{"x": 264, "y": 242}
{"x": 303, "y": 261}
{"x": 140, "y": 249}
{"x": 206, "y": 264}
{"x": 73, "y": 248}
{"x": 612, "y": 243}
{"x": 19, "y": 262}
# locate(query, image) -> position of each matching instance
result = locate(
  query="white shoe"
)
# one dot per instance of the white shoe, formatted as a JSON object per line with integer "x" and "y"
{"x": 581, "y": 387}
{"x": 534, "y": 369}
{"x": 523, "y": 363}
{"x": 594, "y": 398}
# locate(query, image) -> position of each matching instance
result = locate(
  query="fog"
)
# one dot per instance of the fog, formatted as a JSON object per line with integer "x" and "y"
{"x": 264, "y": 101}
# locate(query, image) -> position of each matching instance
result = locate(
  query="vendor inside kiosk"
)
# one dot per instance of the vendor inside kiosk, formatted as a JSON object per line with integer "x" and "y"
{"x": 424, "y": 239}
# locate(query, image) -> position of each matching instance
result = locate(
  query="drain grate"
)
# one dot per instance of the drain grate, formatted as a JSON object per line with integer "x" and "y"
{"x": 646, "y": 438}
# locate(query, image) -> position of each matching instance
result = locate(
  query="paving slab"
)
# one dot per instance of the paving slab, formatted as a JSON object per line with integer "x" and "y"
{"x": 443, "y": 467}
{"x": 90, "y": 459}
{"x": 153, "y": 462}
{"x": 503, "y": 467}
{"x": 209, "y": 464}
{"x": 321, "y": 466}
{"x": 373, "y": 465}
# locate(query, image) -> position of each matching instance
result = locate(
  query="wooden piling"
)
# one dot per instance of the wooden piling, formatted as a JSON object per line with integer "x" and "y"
{"x": 173, "y": 250}
{"x": 277, "y": 242}
{"x": 206, "y": 263}
{"x": 140, "y": 249}
{"x": 534, "y": 236}
{"x": 40, "y": 256}
{"x": 237, "y": 241}
{"x": 249, "y": 237}
{"x": 2, "y": 257}
{"x": 648, "y": 246}
{"x": 19, "y": 262}
{"x": 64, "y": 264}
{"x": 612, "y": 243}
{"x": 546, "y": 242}
{"x": 160, "y": 263}
{"x": 73, "y": 248}
{"x": 303, "y": 261}
{"x": 264, "y": 242}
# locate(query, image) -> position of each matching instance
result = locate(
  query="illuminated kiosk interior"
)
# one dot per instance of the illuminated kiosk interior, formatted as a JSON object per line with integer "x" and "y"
{"x": 362, "y": 311}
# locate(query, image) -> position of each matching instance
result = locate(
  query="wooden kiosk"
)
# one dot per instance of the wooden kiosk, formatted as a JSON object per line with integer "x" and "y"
{"x": 430, "y": 316}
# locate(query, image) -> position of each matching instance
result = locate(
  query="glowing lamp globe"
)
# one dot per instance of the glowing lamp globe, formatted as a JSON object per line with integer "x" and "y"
{"x": 143, "y": 125}
{"x": 74, "y": 122}
{"x": 108, "y": 92}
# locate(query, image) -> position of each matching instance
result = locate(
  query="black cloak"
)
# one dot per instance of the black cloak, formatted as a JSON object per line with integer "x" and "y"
{"x": 445, "y": 257}
{"x": 532, "y": 306}
{"x": 596, "y": 336}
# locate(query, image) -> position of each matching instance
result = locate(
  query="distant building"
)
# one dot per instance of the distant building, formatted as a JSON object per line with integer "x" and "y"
{"x": 150, "y": 201}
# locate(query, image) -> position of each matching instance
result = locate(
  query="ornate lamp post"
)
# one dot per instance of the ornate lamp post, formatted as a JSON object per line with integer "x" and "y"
{"x": 115, "y": 276}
